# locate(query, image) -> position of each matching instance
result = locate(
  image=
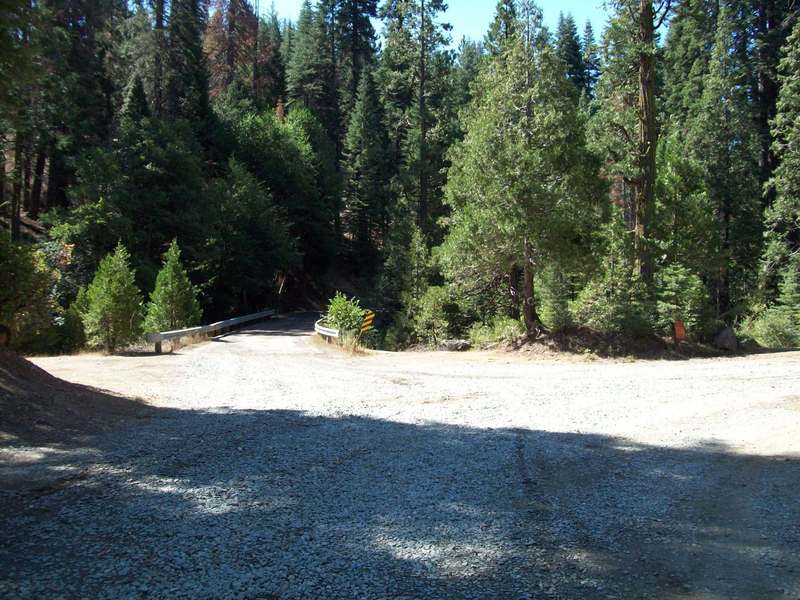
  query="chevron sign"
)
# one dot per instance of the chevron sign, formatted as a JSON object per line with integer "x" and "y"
{"x": 369, "y": 321}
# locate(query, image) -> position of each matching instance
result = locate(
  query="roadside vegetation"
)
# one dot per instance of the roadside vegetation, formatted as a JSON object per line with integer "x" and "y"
{"x": 535, "y": 183}
{"x": 346, "y": 316}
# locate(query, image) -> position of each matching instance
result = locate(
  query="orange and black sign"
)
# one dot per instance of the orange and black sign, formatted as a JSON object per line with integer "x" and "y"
{"x": 369, "y": 322}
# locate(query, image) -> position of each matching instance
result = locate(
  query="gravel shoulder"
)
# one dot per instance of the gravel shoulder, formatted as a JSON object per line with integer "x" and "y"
{"x": 271, "y": 467}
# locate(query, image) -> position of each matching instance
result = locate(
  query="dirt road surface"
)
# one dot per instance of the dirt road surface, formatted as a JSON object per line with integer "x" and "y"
{"x": 274, "y": 467}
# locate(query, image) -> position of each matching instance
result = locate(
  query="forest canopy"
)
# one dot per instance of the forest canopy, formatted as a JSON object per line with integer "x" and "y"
{"x": 530, "y": 182}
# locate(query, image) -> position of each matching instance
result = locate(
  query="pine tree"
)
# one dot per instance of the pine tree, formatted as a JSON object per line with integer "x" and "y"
{"x": 769, "y": 24}
{"x": 229, "y": 43}
{"x": 468, "y": 62}
{"x": 365, "y": 166}
{"x": 173, "y": 303}
{"x": 634, "y": 27}
{"x": 724, "y": 140}
{"x": 311, "y": 71}
{"x": 591, "y": 60}
{"x": 17, "y": 53}
{"x": 134, "y": 107}
{"x": 356, "y": 37}
{"x": 413, "y": 72}
{"x": 248, "y": 224}
{"x": 690, "y": 42}
{"x": 304, "y": 87}
{"x": 783, "y": 217}
{"x": 396, "y": 74}
{"x": 114, "y": 313}
{"x": 503, "y": 27}
{"x": 614, "y": 122}
{"x": 521, "y": 181}
{"x": 568, "y": 49}
{"x": 274, "y": 65}
{"x": 187, "y": 72}
{"x": 789, "y": 291}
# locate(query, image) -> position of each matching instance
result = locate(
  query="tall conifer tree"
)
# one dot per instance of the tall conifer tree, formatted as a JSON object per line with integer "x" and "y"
{"x": 366, "y": 162}
{"x": 503, "y": 27}
{"x": 187, "y": 72}
{"x": 568, "y": 49}
{"x": 356, "y": 37}
{"x": 783, "y": 217}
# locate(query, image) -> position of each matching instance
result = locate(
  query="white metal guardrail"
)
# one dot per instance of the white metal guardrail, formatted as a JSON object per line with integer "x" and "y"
{"x": 325, "y": 332}
{"x": 212, "y": 329}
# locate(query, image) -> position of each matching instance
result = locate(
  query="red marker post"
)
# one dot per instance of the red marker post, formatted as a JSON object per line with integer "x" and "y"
{"x": 678, "y": 332}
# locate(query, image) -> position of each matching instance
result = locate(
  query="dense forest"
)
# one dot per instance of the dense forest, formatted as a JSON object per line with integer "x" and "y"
{"x": 222, "y": 159}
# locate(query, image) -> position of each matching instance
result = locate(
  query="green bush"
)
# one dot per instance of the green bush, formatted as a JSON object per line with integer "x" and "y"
{"x": 398, "y": 332}
{"x": 26, "y": 305}
{"x": 616, "y": 300}
{"x": 72, "y": 336}
{"x": 173, "y": 303}
{"x": 554, "y": 294}
{"x": 682, "y": 296}
{"x": 773, "y": 328}
{"x": 500, "y": 329}
{"x": 779, "y": 325}
{"x": 345, "y": 314}
{"x": 434, "y": 315}
{"x": 611, "y": 306}
{"x": 113, "y": 313}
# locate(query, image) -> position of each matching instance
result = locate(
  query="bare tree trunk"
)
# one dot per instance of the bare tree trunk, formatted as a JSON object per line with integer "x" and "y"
{"x": 648, "y": 136}
{"x": 36, "y": 190}
{"x": 532, "y": 321}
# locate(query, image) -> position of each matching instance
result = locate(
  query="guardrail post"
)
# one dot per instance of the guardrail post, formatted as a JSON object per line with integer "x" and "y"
{"x": 158, "y": 347}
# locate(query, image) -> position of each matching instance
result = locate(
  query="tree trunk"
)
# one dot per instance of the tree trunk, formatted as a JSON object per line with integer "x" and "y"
{"x": 16, "y": 191}
{"x": 513, "y": 292}
{"x": 36, "y": 191}
{"x": 2, "y": 175}
{"x": 723, "y": 274}
{"x": 532, "y": 321}
{"x": 648, "y": 137}
{"x": 26, "y": 179}
{"x": 56, "y": 180}
{"x": 355, "y": 66}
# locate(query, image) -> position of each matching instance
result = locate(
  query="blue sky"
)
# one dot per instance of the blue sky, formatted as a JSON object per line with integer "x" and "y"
{"x": 471, "y": 18}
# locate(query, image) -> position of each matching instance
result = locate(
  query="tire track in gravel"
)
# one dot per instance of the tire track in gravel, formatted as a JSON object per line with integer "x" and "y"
{"x": 283, "y": 470}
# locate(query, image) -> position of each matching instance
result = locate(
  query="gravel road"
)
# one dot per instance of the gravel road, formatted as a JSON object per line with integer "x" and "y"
{"x": 274, "y": 467}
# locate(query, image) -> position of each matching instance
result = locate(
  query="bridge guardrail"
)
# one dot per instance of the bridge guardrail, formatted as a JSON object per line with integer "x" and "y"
{"x": 213, "y": 328}
{"x": 325, "y": 332}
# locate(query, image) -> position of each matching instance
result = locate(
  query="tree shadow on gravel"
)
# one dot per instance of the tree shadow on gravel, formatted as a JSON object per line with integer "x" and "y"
{"x": 283, "y": 504}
